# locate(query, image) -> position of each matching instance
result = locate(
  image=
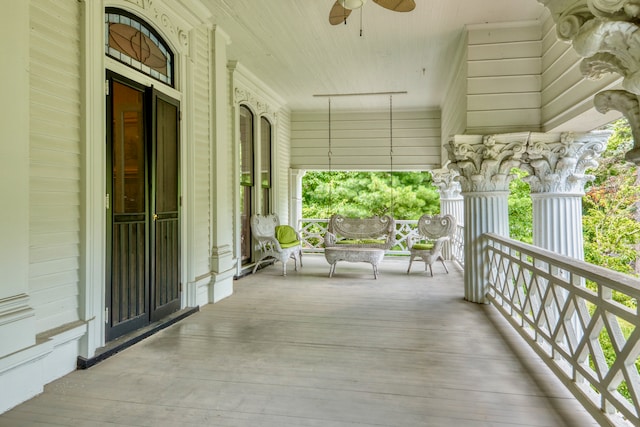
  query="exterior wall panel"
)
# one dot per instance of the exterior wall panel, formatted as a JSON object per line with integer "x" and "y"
{"x": 567, "y": 97}
{"x": 455, "y": 102}
{"x": 55, "y": 162}
{"x": 281, "y": 165}
{"x": 202, "y": 148}
{"x": 504, "y": 77}
{"x": 362, "y": 141}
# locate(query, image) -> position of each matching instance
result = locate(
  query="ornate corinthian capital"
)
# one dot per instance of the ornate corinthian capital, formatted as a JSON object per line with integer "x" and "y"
{"x": 485, "y": 162}
{"x": 557, "y": 162}
{"x": 628, "y": 104}
{"x": 445, "y": 180}
{"x": 606, "y": 34}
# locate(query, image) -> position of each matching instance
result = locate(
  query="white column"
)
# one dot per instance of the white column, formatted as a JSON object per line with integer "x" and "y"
{"x": 451, "y": 201}
{"x": 17, "y": 318}
{"x": 557, "y": 165}
{"x": 485, "y": 212}
{"x": 295, "y": 205}
{"x": 222, "y": 182}
{"x": 484, "y": 164}
{"x": 453, "y": 207}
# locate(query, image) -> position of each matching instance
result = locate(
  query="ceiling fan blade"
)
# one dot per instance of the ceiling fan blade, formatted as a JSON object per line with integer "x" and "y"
{"x": 397, "y": 5}
{"x": 338, "y": 14}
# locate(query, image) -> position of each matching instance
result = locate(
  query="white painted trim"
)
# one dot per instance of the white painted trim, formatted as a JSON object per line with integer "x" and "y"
{"x": 505, "y": 25}
{"x": 17, "y": 323}
{"x": 28, "y": 370}
{"x": 92, "y": 268}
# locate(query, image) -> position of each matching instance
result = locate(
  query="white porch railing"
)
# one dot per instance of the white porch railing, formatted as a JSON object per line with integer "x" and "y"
{"x": 312, "y": 233}
{"x": 565, "y": 309}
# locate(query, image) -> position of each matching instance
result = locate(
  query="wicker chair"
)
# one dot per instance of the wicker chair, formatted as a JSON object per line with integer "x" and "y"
{"x": 275, "y": 241}
{"x": 427, "y": 242}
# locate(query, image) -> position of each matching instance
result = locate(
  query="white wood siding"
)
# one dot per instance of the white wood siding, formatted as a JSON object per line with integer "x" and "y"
{"x": 55, "y": 162}
{"x": 504, "y": 63}
{"x": 281, "y": 165}
{"x": 361, "y": 140}
{"x": 566, "y": 94}
{"x": 202, "y": 144}
{"x": 454, "y": 105}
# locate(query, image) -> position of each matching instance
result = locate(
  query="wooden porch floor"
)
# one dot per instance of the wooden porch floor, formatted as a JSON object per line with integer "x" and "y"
{"x": 307, "y": 350}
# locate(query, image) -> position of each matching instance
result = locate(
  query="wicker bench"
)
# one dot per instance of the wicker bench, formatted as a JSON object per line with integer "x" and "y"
{"x": 358, "y": 240}
{"x": 375, "y": 232}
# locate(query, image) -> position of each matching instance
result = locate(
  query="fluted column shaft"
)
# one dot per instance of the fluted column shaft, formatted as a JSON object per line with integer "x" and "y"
{"x": 485, "y": 212}
{"x": 453, "y": 207}
{"x": 557, "y": 223}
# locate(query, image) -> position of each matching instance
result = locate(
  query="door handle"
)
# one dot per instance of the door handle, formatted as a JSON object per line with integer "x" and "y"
{"x": 155, "y": 217}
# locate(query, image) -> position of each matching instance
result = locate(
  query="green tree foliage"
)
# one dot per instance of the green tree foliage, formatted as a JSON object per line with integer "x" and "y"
{"x": 611, "y": 227}
{"x": 363, "y": 194}
{"x": 610, "y": 207}
{"x": 520, "y": 209}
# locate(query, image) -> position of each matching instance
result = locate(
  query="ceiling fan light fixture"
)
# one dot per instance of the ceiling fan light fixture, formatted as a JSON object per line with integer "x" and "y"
{"x": 352, "y": 4}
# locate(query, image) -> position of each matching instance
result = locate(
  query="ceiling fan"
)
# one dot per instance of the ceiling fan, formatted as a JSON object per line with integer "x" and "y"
{"x": 342, "y": 8}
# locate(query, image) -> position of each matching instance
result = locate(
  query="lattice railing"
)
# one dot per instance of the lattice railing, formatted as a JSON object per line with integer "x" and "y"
{"x": 570, "y": 312}
{"x": 312, "y": 234}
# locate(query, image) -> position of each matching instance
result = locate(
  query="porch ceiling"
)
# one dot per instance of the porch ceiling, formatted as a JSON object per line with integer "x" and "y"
{"x": 291, "y": 47}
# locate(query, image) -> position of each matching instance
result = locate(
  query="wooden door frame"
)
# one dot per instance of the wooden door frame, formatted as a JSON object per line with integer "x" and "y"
{"x": 150, "y": 95}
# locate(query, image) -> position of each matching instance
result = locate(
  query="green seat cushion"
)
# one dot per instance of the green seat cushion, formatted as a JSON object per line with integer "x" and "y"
{"x": 360, "y": 242}
{"x": 290, "y": 244}
{"x": 286, "y": 235}
{"x": 423, "y": 246}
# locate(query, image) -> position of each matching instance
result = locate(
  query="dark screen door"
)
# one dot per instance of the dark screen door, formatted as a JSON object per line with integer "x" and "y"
{"x": 165, "y": 297}
{"x": 143, "y": 265}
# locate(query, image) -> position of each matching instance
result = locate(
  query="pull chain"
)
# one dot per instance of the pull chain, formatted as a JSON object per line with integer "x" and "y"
{"x": 329, "y": 155}
{"x": 391, "y": 151}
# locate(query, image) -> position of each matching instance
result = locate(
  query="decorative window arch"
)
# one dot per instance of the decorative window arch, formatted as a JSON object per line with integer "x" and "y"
{"x": 266, "y": 163}
{"x": 247, "y": 138}
{"x": 132, "y": 41}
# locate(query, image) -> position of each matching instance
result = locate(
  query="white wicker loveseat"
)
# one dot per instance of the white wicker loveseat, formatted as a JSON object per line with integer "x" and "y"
{"x": 375, "y": 232}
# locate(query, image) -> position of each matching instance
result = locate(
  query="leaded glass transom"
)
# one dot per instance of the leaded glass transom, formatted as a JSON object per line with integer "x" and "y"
{"x": 134, "y": 43}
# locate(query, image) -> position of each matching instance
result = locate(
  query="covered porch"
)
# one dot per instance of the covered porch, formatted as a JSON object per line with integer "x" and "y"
{"x": 306, "y": 350}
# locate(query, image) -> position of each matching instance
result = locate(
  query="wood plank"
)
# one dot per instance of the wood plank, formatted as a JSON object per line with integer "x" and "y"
{"x": 306, "y": 350}
{"x": 525, "y": 49}
{"x": 510, "y": 66}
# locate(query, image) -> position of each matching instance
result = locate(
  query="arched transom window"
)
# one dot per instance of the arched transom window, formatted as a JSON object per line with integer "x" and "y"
{"x": 133, "y": 42}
